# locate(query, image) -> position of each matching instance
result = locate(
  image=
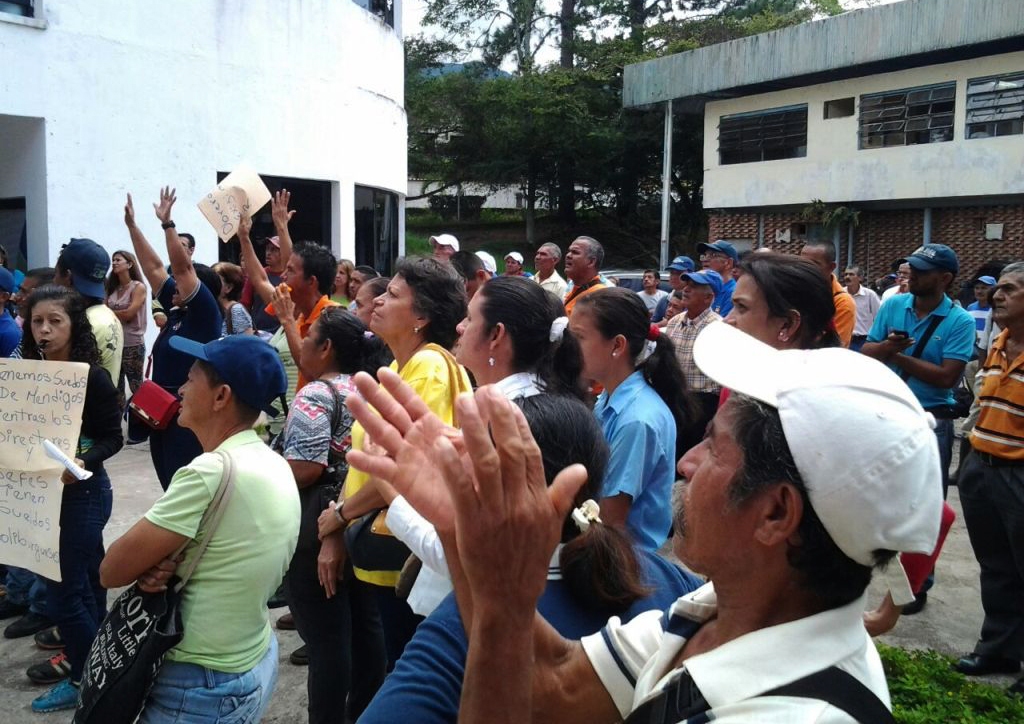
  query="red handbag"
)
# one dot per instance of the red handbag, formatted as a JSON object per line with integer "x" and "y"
{"x": 154, "y": 405}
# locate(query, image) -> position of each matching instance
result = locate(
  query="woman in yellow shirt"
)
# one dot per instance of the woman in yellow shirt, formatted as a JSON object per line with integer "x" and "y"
{"x": 416, "y": 316}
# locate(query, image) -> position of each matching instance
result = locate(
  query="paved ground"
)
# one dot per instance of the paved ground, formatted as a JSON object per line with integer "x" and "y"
{"x": 949, "y": 624}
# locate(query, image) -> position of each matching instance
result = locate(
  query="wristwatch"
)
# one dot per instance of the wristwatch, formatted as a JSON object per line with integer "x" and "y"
{"x": 167, "y": 225}
{"x": 338, "y": 509}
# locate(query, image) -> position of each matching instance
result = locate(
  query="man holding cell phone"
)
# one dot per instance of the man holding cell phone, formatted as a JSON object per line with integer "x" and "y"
{"x": 927, "y": 340}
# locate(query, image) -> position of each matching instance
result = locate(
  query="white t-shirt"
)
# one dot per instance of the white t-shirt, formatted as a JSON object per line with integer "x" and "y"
{"x": 651, "y": 300}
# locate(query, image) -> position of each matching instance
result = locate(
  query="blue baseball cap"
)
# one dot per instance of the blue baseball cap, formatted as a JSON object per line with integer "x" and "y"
{"x": 6, "y": 281}
{"x": 934, "y": 257}
{"x": 707, "y": 276}
{"x": 722, "y": 247}
{"x": 990, "y": 281}
{"x": 682, "y": 264}
{"x": 247, "y": 364}
{"x": 88, "y": 263}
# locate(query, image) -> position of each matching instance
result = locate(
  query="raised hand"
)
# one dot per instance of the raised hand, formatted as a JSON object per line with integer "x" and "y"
{"x": 129, "y": 213}
{"x": 284, "y": 307}
{"x": 163, "y": 209}
{"x": 507, "y": 520}
{"x": 279, "y": 209}
{"x": 244, "y": 226}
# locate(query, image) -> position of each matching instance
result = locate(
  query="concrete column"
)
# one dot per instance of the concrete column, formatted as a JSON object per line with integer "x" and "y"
{"x": 927, "y": 236}
{"x": 666, "y": 186}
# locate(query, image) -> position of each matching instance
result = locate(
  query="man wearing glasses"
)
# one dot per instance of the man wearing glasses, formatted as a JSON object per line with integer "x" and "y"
{"x": 721, "y": 257}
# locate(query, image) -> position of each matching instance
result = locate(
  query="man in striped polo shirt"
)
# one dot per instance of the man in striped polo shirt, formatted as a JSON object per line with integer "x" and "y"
{"x": 992, "y": 488}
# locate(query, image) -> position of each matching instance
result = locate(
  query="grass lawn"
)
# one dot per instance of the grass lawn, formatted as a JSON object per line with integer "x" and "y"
{"x": 925, "y": 690}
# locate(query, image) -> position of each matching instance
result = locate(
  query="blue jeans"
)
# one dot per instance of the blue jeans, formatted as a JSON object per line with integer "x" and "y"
{"x": 192, "y": 694}
{"x": 26, "y": 588}
{"x": 78, "y": 604}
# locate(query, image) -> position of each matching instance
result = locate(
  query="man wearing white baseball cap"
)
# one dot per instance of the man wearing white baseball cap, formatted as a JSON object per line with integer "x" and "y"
{"x": 444, "y": 245}
{"x": 514, "y": 265}
{"x": 787, "y": 525}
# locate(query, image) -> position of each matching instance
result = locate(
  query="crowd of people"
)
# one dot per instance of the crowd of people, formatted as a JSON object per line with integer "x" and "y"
{"x": 423, "y": 462}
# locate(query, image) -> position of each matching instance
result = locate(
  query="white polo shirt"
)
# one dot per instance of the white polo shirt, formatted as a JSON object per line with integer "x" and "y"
{"x": 633, "y": 659}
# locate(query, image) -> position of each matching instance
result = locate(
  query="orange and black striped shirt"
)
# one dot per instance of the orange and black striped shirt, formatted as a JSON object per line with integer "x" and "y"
{"x": 1000, "y": 428}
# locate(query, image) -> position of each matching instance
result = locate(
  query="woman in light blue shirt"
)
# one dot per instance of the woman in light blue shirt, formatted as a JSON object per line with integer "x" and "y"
{"x": 645, "y": 412}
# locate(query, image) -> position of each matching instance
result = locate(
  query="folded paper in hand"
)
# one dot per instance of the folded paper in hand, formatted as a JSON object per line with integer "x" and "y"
{"x": 242, "y": 190}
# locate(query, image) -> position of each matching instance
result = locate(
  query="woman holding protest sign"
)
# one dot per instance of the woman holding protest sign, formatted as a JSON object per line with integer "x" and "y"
{"x": 59, "y": 331}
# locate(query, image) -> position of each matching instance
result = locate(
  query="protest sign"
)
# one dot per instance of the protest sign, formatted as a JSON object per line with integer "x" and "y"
{"x": 38, "y": 401}
{"x": 242, "y": 190}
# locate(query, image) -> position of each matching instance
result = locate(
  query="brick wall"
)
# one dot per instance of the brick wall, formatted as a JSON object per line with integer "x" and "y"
{"x": 883, "y": 236}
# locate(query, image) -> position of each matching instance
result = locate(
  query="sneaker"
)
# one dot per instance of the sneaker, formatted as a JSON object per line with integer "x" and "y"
{"x": 917, "y": 605}
{"x": 49, "y": 639}
{"x": 300, "y": 656}
{"x": 50, "y": 672}
{"x": 29, "y": 624}
{"x": 9, "y": 609}
{"x": 63, "y": 696}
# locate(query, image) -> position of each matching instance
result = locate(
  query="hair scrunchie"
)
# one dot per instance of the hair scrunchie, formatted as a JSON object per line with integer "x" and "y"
{"x": 558, "y": 325}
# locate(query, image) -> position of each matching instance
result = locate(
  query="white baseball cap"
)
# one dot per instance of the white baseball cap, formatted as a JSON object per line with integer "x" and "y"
{"x": 489, "y": 264}
{"x": 863, "y": 444}
{"x": 515, "y": 256}
{"x": 445, "y": 240}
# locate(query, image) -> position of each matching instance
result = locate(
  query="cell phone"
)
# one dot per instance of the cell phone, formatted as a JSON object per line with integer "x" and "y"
{"x": 899, "y": 333}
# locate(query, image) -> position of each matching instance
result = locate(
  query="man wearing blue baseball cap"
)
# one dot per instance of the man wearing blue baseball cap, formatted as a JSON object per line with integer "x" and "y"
{"x": 927, "y": 341}
{"x": 981, "y": 311}
{"x": 679, "y": 266}
{"x": 83, "y": 265}
{"x": 721, "y": 257}
{"x": 699, "y": 291}
{"x": 226, "y": 664}
{"x": 10, "y": 333}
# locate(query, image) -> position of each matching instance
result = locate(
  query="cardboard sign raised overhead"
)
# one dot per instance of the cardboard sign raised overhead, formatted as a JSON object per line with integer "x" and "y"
{"x": 38, "y": 401}
{"x": 241, "y": 190}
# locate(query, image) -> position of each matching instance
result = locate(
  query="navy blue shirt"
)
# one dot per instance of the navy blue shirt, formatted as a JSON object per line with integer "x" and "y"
{"x": 10, "y": 334}
{"x": 426, "y": 684}
{"x": 197, "y": 318}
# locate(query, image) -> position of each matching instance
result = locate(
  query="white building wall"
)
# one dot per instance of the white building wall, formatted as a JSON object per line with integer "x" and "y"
{"x": 500, "y": 197}
{"x": 834, "y": 170}
{"x": 137, "y": 95}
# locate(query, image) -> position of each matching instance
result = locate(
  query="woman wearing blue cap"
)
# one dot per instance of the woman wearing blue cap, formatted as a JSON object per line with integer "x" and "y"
{"x": 227, "y": 661}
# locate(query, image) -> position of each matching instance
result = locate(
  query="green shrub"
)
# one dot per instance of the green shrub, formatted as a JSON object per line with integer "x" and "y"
{"x": 417, "y": 245}
{"x": 925, "y": 690}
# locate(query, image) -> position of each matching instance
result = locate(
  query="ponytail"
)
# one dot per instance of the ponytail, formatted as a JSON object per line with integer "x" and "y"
{"x": 601, "y": 570}
{"x": 663, "y": 373}
{"x": 599, "y": 565}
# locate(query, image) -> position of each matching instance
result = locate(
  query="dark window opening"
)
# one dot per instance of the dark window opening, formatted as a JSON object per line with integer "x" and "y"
{"x": 14, "y": 232}
{"x": 907, "y": 117}
{"x": 376, "y": 218}
{"x": 312, "y": 222}
{"x": 22, "y": 8}
{"x": 995, "y": 106}
{"x": 839, "y": 108}
{"x": 765, "y": 136}
{"x": 383, "y": 9}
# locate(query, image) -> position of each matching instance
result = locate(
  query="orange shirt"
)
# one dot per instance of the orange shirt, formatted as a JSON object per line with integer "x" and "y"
{"x": 846, "y": 312}
{"x": 1000, "y": 389}
{"x": 581, "y": 291}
